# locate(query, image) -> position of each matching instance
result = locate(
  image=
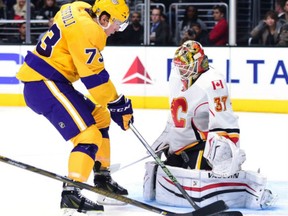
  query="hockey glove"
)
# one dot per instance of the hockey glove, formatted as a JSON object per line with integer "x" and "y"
{"x": 162, "y": 142}
{"x": 121, "y": 111}
{"x": 223, "y": 155}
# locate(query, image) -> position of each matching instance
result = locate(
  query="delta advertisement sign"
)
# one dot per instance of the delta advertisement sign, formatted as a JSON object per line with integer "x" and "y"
{"x": 251, "y": 73}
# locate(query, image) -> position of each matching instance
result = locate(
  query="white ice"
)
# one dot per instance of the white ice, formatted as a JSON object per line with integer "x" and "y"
{"x": 29, "y": 138}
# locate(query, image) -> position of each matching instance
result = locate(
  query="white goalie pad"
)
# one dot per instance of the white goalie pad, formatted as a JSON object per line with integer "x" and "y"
{"x": 149, "y": 181}
{"x": 223, "y": 155}
{"x": 242, "y": 190}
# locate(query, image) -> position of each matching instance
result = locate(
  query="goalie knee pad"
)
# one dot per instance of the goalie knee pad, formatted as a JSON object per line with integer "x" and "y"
{"x": 149, "y": 181}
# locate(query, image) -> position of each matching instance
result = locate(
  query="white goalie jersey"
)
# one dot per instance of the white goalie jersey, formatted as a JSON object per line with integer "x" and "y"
{"x": 203, "y": 108}
{"x": 204, "y": 113}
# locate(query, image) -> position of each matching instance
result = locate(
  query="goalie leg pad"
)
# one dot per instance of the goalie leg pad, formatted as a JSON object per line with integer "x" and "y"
{"x": 168, "y": 194}
{"x": 149, "y": 181}
{"x": 260, "y": 198}
{"x": 241, "y": 190}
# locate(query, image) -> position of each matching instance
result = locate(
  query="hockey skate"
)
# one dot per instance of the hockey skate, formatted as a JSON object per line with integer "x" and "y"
{"x": 73, "y": 201}
{"x": 103, "y": 180}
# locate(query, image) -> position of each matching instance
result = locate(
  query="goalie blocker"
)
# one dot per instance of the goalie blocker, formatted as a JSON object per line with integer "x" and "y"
{"x": 244, "y": 189}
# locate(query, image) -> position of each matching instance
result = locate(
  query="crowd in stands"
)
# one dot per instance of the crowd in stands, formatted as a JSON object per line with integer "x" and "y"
{"x": 212, "y": 30}
{"x": 39, "y": 9}
{"x": 272, "y": 30}
{"x": 164, "y": 33}
{"x": 16, "y": 10}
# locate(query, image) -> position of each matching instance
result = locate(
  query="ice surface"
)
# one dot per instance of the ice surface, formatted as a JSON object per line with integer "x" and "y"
{"x": 31, "y": 139}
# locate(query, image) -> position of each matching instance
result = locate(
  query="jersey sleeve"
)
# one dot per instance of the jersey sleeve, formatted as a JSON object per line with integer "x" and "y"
{"x": 85, "y": 44}
{"x": 222, "y": 119}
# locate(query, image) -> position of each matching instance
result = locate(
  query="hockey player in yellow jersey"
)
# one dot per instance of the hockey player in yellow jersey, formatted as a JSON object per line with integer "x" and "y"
{"x": 69, "y": 51}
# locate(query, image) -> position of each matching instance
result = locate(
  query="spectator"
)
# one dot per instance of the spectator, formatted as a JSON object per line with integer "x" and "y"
{"x": 48, "y": 10}
{"x": 218, "y": 35}
{"x": 267, "y": 31}
{"x": 169, "y": 13}
{"x": 164, "y": 18}
{"x": 21, "y": 37}
{"x": 285, "y": 16}
{"x": 283, "y": 36}
{"x": 50, "y": 23}
{"x": 134, "y": 33}
{"x": 115, "y": 39}
{"x": 2, "y": 10}
{"x": 159, "y": 34}
{"x": 190, "y": 17}
{"x": 201, "y": 35}
{"x": 19, "y": 10}
{"x": 9, "y": 8}
{"x": 9, "y": 3}
{"x": 279, "y": 8}
{"x": 38, "y": 4}
{"x": 196, "y": 33}
{"x": 190, "y": 34}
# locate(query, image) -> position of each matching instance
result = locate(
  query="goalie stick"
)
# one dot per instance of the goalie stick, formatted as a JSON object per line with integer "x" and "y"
{"x": 116, "y": 167}
{"x": 213, "y": 208}
{"x": 108, "y": 193}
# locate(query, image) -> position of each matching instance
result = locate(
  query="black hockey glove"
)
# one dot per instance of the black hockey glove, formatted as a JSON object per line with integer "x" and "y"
{"x": 121, "y": 111}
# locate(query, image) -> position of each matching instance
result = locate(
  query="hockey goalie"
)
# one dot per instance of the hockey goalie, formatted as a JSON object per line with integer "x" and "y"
{"x": 202, "y": 139}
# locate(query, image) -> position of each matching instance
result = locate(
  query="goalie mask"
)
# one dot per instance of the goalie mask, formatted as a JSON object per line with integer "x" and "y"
{"x": 190, "y": 61}
{"x": 117, "y": 9}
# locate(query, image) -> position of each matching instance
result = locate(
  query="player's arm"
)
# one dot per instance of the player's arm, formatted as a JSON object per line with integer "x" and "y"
{"x": 90, "y": 66}
{"x": 222, "y": 148}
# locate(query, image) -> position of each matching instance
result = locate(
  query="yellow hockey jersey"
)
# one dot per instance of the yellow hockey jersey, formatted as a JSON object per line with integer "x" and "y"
{"x": 69, "y": 51}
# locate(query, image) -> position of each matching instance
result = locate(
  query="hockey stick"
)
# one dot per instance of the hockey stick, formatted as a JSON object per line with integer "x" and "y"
{"x": 106, "y": 193}
{"x": 116, "y": 167}
{"x": 213, "y": 208}
{"x": 101, "y": 191}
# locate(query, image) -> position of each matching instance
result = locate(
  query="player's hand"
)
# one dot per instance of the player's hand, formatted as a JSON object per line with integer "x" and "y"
{"x": 162, "y": 142}
{"x": 121, "y": 112}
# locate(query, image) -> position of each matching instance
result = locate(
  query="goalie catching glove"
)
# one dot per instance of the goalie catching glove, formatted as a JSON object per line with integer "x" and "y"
{"x": 121, "y": 111}
{"x": 224, "y": 156}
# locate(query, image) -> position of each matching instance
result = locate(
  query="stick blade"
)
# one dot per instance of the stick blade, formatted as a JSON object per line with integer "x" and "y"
{"x": 230, "y": 213}
{"x": 211, "y": 209}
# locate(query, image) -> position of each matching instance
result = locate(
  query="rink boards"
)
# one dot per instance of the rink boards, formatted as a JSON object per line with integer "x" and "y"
{"x": 257, "y": 77}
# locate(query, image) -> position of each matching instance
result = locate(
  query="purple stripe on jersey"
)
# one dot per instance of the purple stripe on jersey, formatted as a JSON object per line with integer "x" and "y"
{"x": 104, "y": 132}
{"x": 42, "y": 101}
{"x": 44, "y": 68}
{"x": 89, "y": 149}
{"x": 95, "y": 79}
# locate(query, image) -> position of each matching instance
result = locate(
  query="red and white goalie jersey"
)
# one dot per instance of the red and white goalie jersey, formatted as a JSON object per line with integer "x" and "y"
{"x": 203, "y": 108}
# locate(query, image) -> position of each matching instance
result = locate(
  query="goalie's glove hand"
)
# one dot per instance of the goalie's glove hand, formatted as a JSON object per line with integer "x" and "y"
{"x": 224, "y": 156}
{"x": 160, "y": 148}
{"x": 161, "y": 143}
{"x": 121, "y": 111}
